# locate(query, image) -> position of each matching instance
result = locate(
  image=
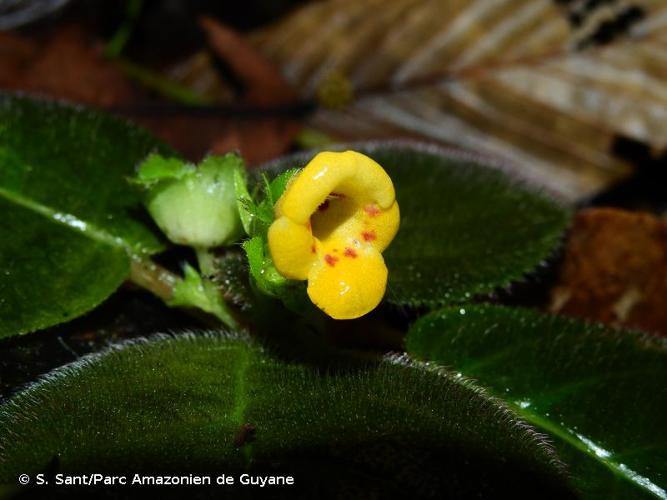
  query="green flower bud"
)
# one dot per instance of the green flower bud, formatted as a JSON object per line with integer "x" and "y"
{"x": 194, "y": 206}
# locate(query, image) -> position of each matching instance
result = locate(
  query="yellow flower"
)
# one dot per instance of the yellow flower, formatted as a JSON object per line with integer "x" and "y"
{"x": 331, "y": 224}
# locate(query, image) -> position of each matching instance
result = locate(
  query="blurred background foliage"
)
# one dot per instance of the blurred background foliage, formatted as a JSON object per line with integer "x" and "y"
{"x": 571, "y": 94}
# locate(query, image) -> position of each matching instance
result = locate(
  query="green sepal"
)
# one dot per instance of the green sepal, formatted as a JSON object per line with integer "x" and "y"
{"x": 156, "y": 168}
{"x": 193, "y": 291}
{"x": 270, "y": 282}
{"x": 279, "y": 184}
{"x": 244, "y": 202}
{"x": 258, "y": 215}
{"x": 261, "y": 267}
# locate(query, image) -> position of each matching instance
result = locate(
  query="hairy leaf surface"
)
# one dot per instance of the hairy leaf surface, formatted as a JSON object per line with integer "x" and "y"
{"x": 69, "y": 218}
{"x": 598, "y": 391}
{"x": 218, "y": 404}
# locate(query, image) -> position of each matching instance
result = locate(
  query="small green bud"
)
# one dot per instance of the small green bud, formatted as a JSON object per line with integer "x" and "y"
{"x": 194, "y": 206}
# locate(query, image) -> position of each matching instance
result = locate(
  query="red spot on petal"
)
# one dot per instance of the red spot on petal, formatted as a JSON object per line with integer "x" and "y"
{"x": 330, "y": 259}
{"x": 323, "y": 206}
{"x": 313, "y": 248}
{"x": 372, "y": 210}
{"x": 349, "y": 252}
{"x": 369, "y": 235}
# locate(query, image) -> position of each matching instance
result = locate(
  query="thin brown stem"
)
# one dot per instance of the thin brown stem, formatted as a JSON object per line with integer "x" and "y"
{"x": 154, "y": 278}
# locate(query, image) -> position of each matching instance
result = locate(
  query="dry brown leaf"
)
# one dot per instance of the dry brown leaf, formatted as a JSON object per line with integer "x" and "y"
{"x": 263, "y": 83}
{"x": 66, "y": 63}
{"x": 197, "y": 73}
{"x": 258, "y": 140}
{"x": 544, "y": 85}
{"x": 615, "y": 270}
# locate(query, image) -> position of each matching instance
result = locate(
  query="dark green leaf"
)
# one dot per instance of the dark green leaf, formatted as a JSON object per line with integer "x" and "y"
{"x": 68, "y": 215}
{"x": 466, "y": 227}
{"x": 600, "y": 392}
{"x": 214, "y": 404}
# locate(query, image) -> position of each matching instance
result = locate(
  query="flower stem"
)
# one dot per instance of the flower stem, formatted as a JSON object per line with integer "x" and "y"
{"x": 206, "y": 262}
{"x": 154, "y": 278}
{"x": 162, "y": 283}
{"x": 160, "y": 84}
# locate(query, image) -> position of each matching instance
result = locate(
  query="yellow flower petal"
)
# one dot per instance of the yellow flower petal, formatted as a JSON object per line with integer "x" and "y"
{"x": 292, "y": 248}
{"x": 350, "y": 173}
{"x": 346, "y": 286}
{"x": 332, "y": 222}
{"x": 378, "y": 227}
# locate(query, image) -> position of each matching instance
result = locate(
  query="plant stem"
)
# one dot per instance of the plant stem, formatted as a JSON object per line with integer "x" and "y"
{"x": 206, "y": 262}
{"x": 154, "y": 278}
{"x": 162, "y": 283}
{"x": 160, "y": 84}
{"x": 117, "y": 44}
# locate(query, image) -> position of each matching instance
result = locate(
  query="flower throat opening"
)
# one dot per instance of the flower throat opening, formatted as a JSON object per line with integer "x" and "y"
{"x": 334, "y": 213}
